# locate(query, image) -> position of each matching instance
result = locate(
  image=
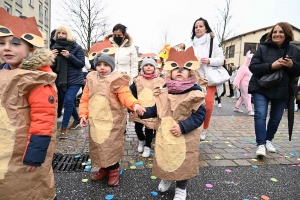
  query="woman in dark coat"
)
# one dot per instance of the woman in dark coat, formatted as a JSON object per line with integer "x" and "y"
{"x": 267, "y": 59}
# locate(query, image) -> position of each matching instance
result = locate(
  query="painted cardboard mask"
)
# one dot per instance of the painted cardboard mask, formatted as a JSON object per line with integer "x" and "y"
{"x": 182, "y": 59}
{"x": 164, "y": 52}
{"x": 25, "y": 29}
{"x": 102, "y": 47}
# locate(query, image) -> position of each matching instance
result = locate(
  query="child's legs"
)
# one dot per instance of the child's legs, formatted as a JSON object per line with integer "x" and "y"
{"x": 139, "y": 131}
{"x": 182, "y": 184}
{"x": 113, "y": 167}
{"x": 209, "y": 101}
{"x": 239, "y": 102}
{"x": 246, "y": 96}
{"x": 149, "y": 136}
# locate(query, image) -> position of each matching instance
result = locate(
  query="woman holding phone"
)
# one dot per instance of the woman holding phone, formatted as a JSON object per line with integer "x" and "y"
{"x": 274, "y": 53}
{"x": 69, "y": 61}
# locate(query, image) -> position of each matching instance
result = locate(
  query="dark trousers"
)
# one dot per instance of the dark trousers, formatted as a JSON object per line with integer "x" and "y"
{"x": 148, "y": 136}
{"x": 182, "y": 184}
{"x": 230, "y": 89}
{"x": 59, "y": 105}
{"x": 113, "y": 167}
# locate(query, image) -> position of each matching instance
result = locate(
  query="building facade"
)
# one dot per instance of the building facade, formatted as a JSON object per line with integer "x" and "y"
{"x": 237, "y": 47}
{"x": 40, "y": 9}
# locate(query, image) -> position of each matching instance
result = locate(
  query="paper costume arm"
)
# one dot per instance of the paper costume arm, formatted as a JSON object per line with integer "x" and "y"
{"x": 126, "y": 98}
{"x": 84, "y": 102}
{"x": 42, "y": 102}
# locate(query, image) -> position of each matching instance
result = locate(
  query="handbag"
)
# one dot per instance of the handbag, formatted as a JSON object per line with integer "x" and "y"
{"x": 216, "y": 75}
{"x": 270, "y": 80}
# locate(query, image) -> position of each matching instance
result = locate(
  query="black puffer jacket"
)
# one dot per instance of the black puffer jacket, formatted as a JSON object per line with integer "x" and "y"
{"x": 267, "y": 53}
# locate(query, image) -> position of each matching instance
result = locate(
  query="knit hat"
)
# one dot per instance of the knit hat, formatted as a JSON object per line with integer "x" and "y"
{"x": 150, "y": 61}
{"x": 105, "y": 58}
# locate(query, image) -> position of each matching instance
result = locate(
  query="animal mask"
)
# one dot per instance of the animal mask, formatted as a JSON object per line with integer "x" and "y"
{"x": 148, "y": 55}
{"x": 25, "y": 29}
{"x": 249, "y": 56}
{"x": 104, "y": 47}
{"x": 164, "y": 52}
{"x": 182, "y": 59}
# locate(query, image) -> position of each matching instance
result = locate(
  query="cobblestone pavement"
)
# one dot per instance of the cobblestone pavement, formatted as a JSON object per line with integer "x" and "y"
{"x": 230, "y": 141}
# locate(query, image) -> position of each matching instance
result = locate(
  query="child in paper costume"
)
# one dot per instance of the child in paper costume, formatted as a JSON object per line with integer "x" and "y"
{"x": 142, "y": 89}
{"x": 27, "y": 112}
{"x": 242, "y": 81}
{"x": 103, "y": 102}
{"x": 180, "y": 110}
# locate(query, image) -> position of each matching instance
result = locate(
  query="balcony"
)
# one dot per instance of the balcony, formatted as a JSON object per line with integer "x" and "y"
{"x": 41, "y": 17}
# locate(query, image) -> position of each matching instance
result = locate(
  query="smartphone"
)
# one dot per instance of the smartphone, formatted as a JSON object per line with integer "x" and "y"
{"x": 290, "y": 57}
{"x": 59, "y": 49}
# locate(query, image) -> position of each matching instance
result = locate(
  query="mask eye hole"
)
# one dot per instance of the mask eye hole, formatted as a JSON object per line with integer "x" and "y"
{"x": 28, "y": 37}
{"x": 93, "y": 54}
{"x": 189, "y": 64}
{"x": 105, "y": 50}
{"x": 4, "y": 30}
{"x": 174, "y": 65}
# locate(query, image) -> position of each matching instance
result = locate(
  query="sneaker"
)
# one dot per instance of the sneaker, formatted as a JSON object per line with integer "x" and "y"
{"x": 261, "y": 150}
{"x": 270, "y": 147}
{"x": 146, "y": 152}
{"x": 251, "y": 113}
{"x": 220, "y": 105}
{"x": 113, "y": 177}
{"x": 141, "y": 146}
{"x": 59, "y": 119}
{"x": 237, "y": 110}
{"x": 99, "y": 175}
{"x": 203, "y": 134}
{"x": 233, "y": 97}
{"x": 164, "y": 185}
{"x": 180, "y": 194}
{"x": 75, "y": 125}
{"x": 296, "y": 108}
{"x": 63, "y": 133}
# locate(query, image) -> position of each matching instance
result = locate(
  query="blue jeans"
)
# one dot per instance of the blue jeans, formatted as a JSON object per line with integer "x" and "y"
{"x": 261, "y": 103}
{"x": 68, "y": 98}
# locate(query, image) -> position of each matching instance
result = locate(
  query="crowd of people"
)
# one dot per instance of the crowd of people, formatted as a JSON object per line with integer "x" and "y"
{"x": 166, "y": 98}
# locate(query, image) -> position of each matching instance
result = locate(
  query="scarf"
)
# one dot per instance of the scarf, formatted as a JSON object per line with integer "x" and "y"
{"x": 179, "y": 86}
{"x": 148, "y": 76}
{"x": 201, "y": 46}
{"x": 62, "y": 63}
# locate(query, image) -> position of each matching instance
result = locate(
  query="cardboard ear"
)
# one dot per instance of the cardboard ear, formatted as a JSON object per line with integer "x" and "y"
{"x": 102, "y": 47}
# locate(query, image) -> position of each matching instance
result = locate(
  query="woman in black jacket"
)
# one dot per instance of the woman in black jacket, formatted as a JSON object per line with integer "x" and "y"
{"x": 268, "y": 59}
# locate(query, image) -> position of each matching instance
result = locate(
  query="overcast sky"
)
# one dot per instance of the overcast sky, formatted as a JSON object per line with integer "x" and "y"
{"x": 147, "y": 19}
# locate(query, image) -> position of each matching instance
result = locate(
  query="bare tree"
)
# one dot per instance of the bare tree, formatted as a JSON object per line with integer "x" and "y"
{"x": 86, "y": 19}
{"x": 165, "y": 38}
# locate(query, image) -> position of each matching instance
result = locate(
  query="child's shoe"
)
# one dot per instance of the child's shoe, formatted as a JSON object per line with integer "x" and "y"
{"x": 238, "y": 110}
{"x": 63, "y": 133}
{"x": 219, "y": 105}
{"x": 99, "y": 175}
{"x": 164, "y": 185}
{"x": 203, "y": 134}
{"x": 75, "y": 125}
{"x": 113, "y": 177}
{"x": 251, "y": 113}
{"x": 141, "y": 146}
{"x": 146, "y": 152}
{"x": 180, "y": 194}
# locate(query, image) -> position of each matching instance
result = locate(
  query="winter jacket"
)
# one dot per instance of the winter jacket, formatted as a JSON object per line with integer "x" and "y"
{"x": 125, "y": 56}
{"x": 267, "y": 53}
{"x": 76, "y": 63}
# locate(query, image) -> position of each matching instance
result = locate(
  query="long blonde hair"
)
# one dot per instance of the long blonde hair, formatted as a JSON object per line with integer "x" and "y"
{"x": 70, "y": 36}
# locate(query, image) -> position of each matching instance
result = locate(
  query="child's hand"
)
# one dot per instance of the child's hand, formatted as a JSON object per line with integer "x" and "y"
{"x": 176, "y": 131}
{"x": 83, "y": 122}
{"x": 30, "y": 168}
{"x": 131, "y": 114}
{"x": 139, "y": 109}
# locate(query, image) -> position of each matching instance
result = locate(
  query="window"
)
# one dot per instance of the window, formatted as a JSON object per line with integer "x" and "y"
{"x": 46, "y": 1}
{"x": 30, "y": 2}
{"x": 40, "y": 12}
{"x": 230, "y": 52}
{"x": 18, "y": 13}
{"x": 46, "y": 16}
{"x": 46, "y": 33}
{"x": 40, "y": 28}
{"x": 7, "y": 7}
{"x": 249, "y": 46}
{"x": 19, "y": 2}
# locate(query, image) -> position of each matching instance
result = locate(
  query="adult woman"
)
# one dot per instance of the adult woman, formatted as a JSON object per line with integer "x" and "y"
{"x": 68, "y": 66}
{"x": 200, "y": 40}
{"x": 267, "y": 59}
{"x": 126, "y": 55}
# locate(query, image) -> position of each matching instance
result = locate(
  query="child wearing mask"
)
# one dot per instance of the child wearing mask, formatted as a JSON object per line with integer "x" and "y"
{"x": 180, "y": 110}
{"x": 142, "y": 89}
{"x": 103, "y": 102}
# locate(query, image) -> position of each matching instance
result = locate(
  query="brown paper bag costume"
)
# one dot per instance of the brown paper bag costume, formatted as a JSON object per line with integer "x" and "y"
{"x": 15, "y": 182}
{"x": 145, "y": 88}
{"x": 107, "y": 118}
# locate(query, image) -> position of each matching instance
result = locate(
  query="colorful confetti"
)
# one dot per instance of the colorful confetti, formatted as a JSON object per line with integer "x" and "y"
{"x": 227, "y": 170}
{"x": 154, "y": 193}
{"x": 139, "y": 163}
{"x": 132, "y": 167}
{"x": 274, "y": 179}
{"x": 264, "y": 197}
{"x": 121, "y": 171}
{"x": 153, "y": 177}
{"x": 77, "y": 156}
{"x": 209, "y": 185}
{"x": 254, "y": 166}
{"x": 84, "y": 180}
{"x": 217, "y": 157}
{"x": 109, "y": 197}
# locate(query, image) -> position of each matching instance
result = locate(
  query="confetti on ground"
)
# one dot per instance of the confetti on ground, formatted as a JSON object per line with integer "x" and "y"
{"x": 293, "y": 153}
{"x": 88, "y": 163}
{"x": 109, "y": 197}
{"x": 254, "y": 159}
{"x": 153, "y": 177}
{"x": 264, "y": 197}
{"x": 294, "y": 165}
{"x": 132, "y": 167}
{"x": 245, "y": 154}
{"x": 217, "y": 157}
{"x": 70, "y": 146}
{"x": 83, "y": 163}
{"x": 140, "y": 163}
{"x": 287, "y": 156}
{"x": 150, "y": 165}
{"x": 87, "y": 169}
{"x": 84, "y": 180}
{"x": 77, "y": 156}
{"x": 154, "y": 193}
{"x": 229, "y": 145}
{"x": 227, "y": 170}
{"x": 298, "y": 158}
{"x": 245, "y": 199}
{"x": 209, "y": 185}
{"x": 151, "y": 153}
{"x": 121, "y": 171}
{"x": 254, "y": 166}
{"x": 226, "y": 142}
{"x": 274, "y": 179}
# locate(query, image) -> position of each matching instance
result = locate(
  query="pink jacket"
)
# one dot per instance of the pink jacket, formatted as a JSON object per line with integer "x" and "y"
{"x": 243, "y": 76}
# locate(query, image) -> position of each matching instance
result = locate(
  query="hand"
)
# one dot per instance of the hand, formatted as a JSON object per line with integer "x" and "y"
{"x": 235, "y": 87}
{"x": 83, "y": 122}
{"x": 65, "y": 53}
{"x": 30, "y": 168}
{"x": 55, "y": 52}
{"x": 205, "y": 61}
{"x": 175, "y": 130}
{"x": 287, "y": 62}
{"x": 277, "y": 64}
{"x": 131, "y": 114}
{"x": 139, "y": 109}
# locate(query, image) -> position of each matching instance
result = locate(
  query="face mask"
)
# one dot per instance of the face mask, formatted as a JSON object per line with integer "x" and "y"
{"x": 118, "y": 40}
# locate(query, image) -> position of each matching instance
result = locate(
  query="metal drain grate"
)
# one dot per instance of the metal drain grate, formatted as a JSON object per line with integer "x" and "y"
{"x": 69, "y": 162}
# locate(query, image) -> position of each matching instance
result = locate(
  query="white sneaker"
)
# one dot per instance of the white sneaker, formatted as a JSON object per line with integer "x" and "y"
{"x": 296, "y": 108}
{"x": 233, "y": 97}
{"x": 141, "y": 146}
{"x": 180, "y": 194}
{"x": 146, "y": 152}
{"x": 164, "y": 185}
{"x": 59, "y": 119}
{"x": 270, "y": 147}
{"x": 251, "y": 113}
{"x": 220, "y": 105}
{"x": 203, "y": 134}
{"x": 238, "y": 110}
{"x": 261, "y": 150}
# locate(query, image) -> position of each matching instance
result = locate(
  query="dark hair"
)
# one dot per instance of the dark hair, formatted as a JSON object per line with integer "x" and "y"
{"x": 208, "y": 29}
{"x": 120, "y": 27}
{"x": 287, "y": 29}
{"x": 52, "y": 34}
